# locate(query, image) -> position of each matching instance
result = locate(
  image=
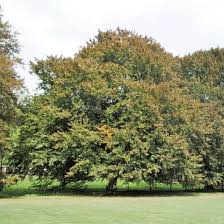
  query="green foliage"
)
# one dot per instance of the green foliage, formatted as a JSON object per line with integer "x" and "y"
{"x": 203, "y": 71}
{"x": 124, "y": 109}
{"x": 206, "y": 66}
{"x": 9, "y": 87}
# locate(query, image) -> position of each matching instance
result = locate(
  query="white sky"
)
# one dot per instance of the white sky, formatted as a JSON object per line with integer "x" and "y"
{"x": 49, "y": 27}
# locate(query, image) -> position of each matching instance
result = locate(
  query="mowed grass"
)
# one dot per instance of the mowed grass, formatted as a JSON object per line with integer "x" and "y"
{"x": 201, "y": 208}
{"x": 21, "y": 204}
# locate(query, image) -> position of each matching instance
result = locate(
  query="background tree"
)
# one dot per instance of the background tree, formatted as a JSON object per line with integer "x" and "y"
{"x": 9, "y": 85}
{"x": 203, "y": 72}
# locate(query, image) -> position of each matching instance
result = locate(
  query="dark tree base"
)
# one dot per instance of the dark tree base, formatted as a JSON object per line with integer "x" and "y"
{"x": 112, "y": 186}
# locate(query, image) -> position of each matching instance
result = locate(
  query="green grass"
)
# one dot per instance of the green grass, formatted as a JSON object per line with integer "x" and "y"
{"x": 132, "y": 186}
{"x": 22, "y": 204}
{"x": 28, "y": 186}
{"x": 188, "y": 208}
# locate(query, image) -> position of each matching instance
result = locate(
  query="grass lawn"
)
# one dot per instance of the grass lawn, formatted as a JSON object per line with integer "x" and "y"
{"x": 199, "y": 208}
{"x": 20, "y": 204}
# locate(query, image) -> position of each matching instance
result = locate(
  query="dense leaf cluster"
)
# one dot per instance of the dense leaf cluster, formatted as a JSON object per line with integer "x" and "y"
{"x": 9, "y": 86}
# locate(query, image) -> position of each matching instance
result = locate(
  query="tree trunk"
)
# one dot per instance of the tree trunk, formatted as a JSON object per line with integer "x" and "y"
{"x": 2, "y": 176}
{"x": 112, "y": 185}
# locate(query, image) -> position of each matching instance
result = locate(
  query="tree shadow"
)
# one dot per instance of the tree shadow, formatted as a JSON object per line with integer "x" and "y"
{"x": 100, "y": 192}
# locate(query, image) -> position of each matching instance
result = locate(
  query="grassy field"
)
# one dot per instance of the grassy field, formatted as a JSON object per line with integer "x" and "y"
{"x": 200, "y": 208}
{"x": 21, "y": 204}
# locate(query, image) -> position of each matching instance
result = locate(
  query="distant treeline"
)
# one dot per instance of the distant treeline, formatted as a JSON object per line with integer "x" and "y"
{"x": 121, "y": 108}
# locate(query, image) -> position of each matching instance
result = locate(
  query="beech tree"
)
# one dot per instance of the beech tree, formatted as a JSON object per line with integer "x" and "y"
{"x": 119, "y": 109}
{"x": 203, "y": 72}
{"x": 9, "y": 86}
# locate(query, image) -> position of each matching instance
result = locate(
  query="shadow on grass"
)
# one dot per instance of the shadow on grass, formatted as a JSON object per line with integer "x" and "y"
{"x": 96, "y": 192}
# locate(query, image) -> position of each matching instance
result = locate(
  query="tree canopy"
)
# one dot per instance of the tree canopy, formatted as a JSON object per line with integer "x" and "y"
{"x": 9, "y": 86}
{"x": 124, "y": 108}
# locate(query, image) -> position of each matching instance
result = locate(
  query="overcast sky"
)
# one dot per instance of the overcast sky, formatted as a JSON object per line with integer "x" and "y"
{"x": 60, "y": 27}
